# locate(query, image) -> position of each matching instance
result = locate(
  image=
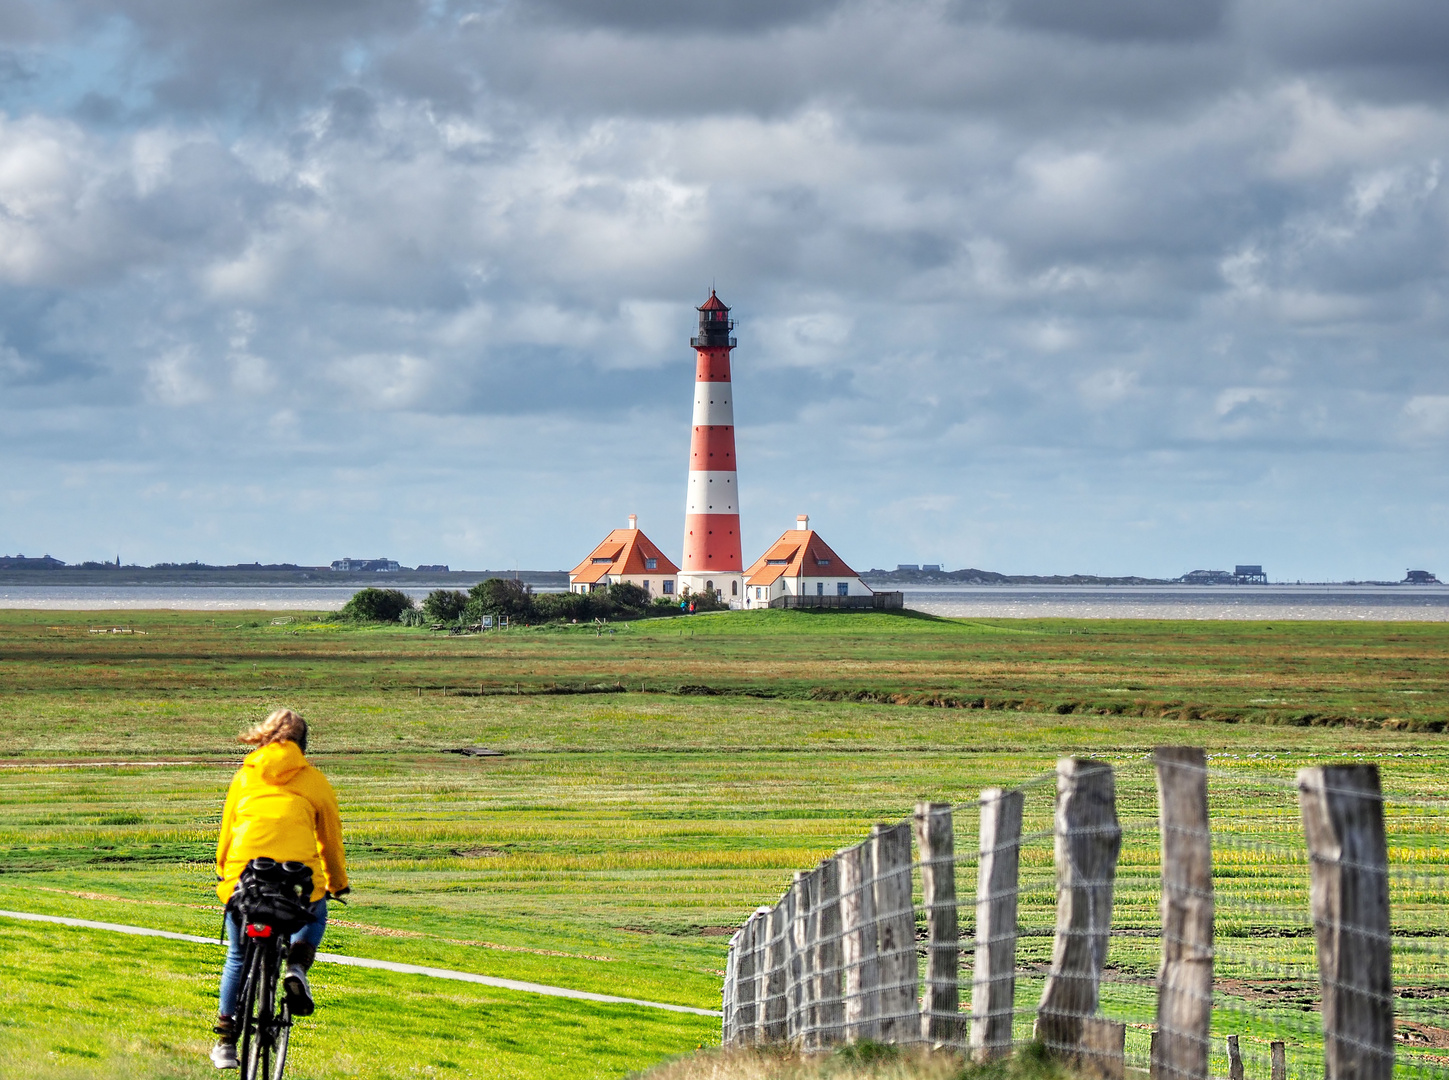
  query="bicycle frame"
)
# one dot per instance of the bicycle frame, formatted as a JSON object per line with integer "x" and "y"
{"x": 265, "y": 1023}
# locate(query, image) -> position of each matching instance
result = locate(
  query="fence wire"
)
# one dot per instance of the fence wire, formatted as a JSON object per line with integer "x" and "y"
{"x": 910, "y": 936}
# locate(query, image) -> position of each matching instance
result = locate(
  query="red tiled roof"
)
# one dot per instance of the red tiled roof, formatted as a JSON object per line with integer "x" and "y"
{"x": 625, "y": 550}
{"x": 798, "y": 553}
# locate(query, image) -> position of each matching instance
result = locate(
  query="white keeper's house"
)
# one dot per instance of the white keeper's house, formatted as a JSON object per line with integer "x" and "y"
{"x": 626, "y": 555}
{"x": 802, "y": 566}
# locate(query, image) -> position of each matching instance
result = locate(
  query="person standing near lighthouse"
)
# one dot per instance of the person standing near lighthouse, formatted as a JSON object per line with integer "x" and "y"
{"x": 712, "y": 559}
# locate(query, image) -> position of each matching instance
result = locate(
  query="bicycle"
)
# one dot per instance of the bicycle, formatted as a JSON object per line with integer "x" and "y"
{"x": 265, "y": 1029}
{"x": 272, "y": 909}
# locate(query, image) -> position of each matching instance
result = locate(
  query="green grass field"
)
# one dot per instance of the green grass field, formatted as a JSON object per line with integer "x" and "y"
{"x": 657, "y": 784}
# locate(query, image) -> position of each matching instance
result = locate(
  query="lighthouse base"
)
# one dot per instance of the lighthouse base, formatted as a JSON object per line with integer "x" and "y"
{"x": 728, "y": 585}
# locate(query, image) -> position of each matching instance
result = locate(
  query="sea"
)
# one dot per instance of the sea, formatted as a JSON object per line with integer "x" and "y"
{"x": 1358, "y": 602}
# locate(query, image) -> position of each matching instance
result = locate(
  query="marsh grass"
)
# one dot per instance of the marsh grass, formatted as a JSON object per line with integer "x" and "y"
{"x": 861, "y": 1062}
{"x": 621, "y": 834}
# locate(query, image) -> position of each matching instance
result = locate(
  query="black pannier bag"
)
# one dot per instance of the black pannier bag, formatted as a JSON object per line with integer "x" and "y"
{"x": 274, "y": 894}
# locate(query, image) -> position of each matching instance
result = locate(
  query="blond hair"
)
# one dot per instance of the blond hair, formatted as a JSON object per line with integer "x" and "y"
{"x": 282, "y": 726}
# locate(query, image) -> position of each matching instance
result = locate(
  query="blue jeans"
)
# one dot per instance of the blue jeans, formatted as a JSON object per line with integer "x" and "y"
{"x": 236, "y": 944}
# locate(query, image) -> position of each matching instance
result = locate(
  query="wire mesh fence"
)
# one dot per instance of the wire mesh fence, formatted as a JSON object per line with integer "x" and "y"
{"x": 1156, "y": 916}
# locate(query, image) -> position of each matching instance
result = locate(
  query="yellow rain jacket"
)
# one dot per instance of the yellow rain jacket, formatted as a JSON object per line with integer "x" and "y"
{"x": 280, "y": 807}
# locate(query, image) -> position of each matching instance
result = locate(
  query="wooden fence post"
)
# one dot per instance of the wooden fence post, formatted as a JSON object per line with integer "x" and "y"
{"x": 760, "y": 942}
{"x": 1235, "y": 1059}
{"x": 806, "y": 886}
{"x": 829, "y": 1002}
{"x": 1088, "y": 841}
{"x": 936, "y": 841}
{"x": 1343, "y": 821}
{"x": 1280, "y": 1060}
{"x": 742, "y": 1013}
{"x": 727, "y": 991}
{"x": 993, "y": 982}
{"x": 858, "y": 943}
{"x": 1103, "y": 1049}
{"x": 775, "y": 998}
{"x": 1185, "y": 977}
{"x": 900, "y": 1020}
{"x": 794, "y": 902}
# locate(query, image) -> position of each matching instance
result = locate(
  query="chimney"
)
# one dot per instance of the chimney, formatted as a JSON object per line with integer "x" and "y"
{"x": 803, "y": 522}
{"x": 633, "y": 521}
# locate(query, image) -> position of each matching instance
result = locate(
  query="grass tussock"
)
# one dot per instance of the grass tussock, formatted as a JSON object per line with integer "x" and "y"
{"x": 868, "y": 1061}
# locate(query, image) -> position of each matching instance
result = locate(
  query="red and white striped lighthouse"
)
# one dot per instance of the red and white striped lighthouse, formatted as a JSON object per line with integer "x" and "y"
{"x": 712, "y": 560}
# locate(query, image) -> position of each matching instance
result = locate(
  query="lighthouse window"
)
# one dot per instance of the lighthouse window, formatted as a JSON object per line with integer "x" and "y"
{"x": 734, "y": 588}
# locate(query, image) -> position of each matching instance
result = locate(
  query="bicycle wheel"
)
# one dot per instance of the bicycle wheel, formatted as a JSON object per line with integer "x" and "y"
{"x": 256, "y": 1063}
{"x": 246, "y": 1014}
{"x": 282, "y": 1037}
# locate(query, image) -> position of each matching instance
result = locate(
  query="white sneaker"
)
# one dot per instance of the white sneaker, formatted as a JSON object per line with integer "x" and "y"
{"x": 223, "y": 1056}
{"x": 299, "y": 994}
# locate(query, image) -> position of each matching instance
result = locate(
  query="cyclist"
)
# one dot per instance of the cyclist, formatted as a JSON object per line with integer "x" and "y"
{"x": 279, "y": 807}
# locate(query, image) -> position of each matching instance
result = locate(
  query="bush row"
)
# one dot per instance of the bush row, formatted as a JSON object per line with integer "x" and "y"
{"x": 520, "y": 604}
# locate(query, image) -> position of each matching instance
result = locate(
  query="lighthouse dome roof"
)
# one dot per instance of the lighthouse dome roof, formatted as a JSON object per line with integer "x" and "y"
{"x": 714, "y": 303}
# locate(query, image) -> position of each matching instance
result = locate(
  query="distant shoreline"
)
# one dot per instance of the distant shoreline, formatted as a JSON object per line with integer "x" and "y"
{"x": 320, "y": 576}
{"x": 268, "y": 577}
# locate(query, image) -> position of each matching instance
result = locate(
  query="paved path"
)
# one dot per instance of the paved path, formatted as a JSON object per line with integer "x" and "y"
{"x": 384, "y": 965}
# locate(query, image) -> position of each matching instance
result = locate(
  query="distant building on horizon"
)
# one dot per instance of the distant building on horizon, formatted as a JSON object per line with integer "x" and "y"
{"x": 1241, "y": 575}
{"x": 21, "y": 562}
{"x": 1420, "y": 577}
{"x": 907, "y": 566}
{"x": 433, "y": 568}
{"x": 373, "y": 566}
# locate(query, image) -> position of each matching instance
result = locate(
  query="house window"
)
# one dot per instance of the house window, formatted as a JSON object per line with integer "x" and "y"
{"x": 669, "y": 588}
{"x": 842, "y": 588}
{"x": 820, "y": 588}
{"x": 822, "y": 562}
{"x": 604, "y": 560}
{"x": 777, "y": 562}
{"x": 646, "y": 584}
{"x": 651, "y": 564}
{"x": 734, "y": 588}
{"x": 759, "y": 593}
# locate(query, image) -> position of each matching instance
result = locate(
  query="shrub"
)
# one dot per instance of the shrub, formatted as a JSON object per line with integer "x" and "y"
{"x": 564, "y": 606}
{"x": 500, "y": 596}
{"x": 445, "y": 605}
{"x": 628, "y": 600}
{"x": 704, "y": 601}
{"x": 377, "y": 605}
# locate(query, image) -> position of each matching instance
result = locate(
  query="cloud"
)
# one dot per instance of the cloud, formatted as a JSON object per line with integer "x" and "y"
{"x": 1029, "y": 249}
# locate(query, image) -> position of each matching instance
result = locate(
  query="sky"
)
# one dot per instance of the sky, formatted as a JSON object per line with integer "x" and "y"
{"x": 1035, "y": 286}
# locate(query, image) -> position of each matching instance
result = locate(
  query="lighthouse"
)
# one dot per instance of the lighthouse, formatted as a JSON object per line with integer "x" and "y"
{"x": 712, "y": 561}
